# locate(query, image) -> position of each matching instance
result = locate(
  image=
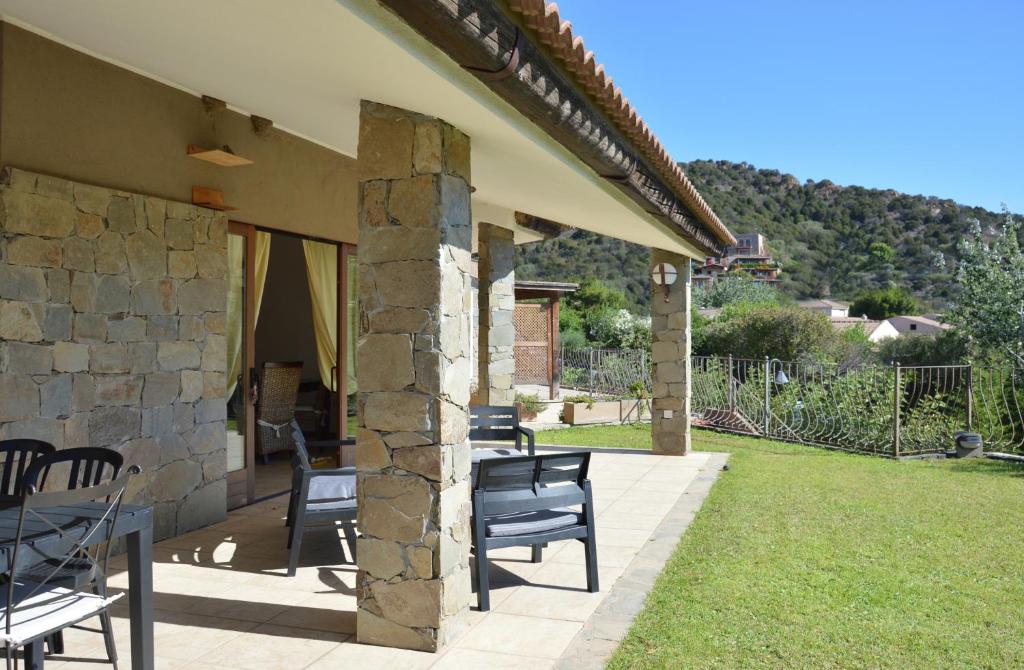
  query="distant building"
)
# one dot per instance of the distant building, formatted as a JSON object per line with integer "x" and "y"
{"x": 875, "y": 330}
{"x": 830, "y": 308}
{"x": 749, "y": 256}
{"x": 917, "y": 325}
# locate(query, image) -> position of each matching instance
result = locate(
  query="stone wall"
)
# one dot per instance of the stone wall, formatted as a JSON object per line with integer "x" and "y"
{"x": 412, "y": 453}
{"x": 497, "y": 299}
{"x": 670, "y": 358}
{"x": 112, "y": 321}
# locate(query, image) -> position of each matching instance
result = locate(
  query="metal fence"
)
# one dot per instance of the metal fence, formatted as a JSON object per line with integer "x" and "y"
{"x": 614, "y": 372}
{"x": 893, "y": 411}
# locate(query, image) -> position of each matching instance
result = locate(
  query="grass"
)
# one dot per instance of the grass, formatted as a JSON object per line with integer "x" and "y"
{"x": 804, "y": 558}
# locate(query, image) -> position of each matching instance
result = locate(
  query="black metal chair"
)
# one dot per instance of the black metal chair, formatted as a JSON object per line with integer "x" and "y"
{"x": 85, "y": 467}
{"x": 47, "y": 593}
{"x": 492, "y": 423}
{"x": 17, "y": 455}
{"x": 319, "y": 496}
{"x": 527, "y": 501}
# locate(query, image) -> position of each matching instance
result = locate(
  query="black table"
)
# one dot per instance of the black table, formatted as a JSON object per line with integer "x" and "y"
{"x": 135, "y": 524}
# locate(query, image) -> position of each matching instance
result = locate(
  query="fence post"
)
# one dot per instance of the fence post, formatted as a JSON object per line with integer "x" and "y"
{"x": 767, "y": 395}
{"x": 732, "y": 389}
{"x": 590, "y": 368}
{"x": 897, "y": 392}
{"x": 970, "y": 396}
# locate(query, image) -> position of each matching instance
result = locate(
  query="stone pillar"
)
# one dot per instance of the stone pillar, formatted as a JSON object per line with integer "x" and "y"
{"x": 412, "y": 453}
{"x": 670, "y": 358}
{"x": 497, "y": 301}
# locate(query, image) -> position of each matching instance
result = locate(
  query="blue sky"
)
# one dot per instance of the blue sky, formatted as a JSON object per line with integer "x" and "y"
{"x": 921, "y": 96}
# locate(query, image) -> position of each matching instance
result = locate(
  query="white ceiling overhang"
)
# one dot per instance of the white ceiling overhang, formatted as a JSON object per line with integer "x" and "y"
{"x": 307, "y": 64}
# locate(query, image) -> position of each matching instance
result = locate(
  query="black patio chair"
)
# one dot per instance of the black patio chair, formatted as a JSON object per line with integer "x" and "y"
{"x": 57, "y": 590}
{"x": 527, "y": 501}
{"x": 16, "y": 456}
{"x": 85, "y": 467}
{"x": 319, "y": 496}
{"x": 493, "y": 423}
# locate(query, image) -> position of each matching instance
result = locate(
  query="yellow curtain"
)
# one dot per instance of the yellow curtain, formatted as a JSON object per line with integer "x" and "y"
{"x": 322, "y": 275}
{"x": 236, "y": 297}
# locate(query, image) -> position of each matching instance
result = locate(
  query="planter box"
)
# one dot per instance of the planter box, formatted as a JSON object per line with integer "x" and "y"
{"x": 607, "y": 411}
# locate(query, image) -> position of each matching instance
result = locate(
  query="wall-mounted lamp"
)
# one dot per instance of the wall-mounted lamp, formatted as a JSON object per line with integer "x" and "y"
{"x": 664, "y": 275}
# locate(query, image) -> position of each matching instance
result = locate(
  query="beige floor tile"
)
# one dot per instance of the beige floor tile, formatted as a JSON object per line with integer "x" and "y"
{"x": 354, "y": 656}
{"x": 475, "y": 659}
{"x": 613, "y": 519}
{"x": 334, "y": 615}
{"x": 559, "y": 591}
{"x": 274, "y": 648}
{"x": 607, "y": 555}
{"x": 622, "y": 537}
{"x": 510, "y": 634}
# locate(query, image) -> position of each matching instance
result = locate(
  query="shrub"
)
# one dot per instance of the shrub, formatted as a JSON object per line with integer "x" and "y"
{"x": 756, "y": 331}
{"x": 589, "y": 400}
{"x": 530, "y": 403}
{"x": 880, "y": 304}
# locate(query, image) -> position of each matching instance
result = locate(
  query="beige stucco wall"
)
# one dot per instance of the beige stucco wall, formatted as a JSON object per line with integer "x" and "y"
{"x": 67, "y": 114}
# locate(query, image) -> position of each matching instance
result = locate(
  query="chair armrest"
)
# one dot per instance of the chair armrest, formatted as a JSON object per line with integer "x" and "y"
{"x": 528, "y": 432}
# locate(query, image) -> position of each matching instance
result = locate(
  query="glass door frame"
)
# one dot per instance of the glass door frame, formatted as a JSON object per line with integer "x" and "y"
{"x": 241, "y": 484}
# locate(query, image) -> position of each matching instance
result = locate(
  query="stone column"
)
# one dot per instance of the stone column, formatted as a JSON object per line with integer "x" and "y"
{"x": 497, "y": 302}
{"x": 412, "y": 453}
{"x": 670, "y": 358}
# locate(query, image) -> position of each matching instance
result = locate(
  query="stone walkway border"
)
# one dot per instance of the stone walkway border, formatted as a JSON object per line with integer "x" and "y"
{"x": 601, "y": 634}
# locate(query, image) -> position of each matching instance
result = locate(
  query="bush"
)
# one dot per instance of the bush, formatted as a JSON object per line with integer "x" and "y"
{"x": 531, "y": 404}
{"x": 730, "y": 290}
{"x": 880, "y": 304}
{"x": 589, "y": 400}
{"x": 946, "y": 348}
{"x": 756, "y": 331}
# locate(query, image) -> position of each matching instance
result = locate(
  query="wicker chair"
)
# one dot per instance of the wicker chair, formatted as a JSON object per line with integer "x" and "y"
{"x": 279, "y": 390}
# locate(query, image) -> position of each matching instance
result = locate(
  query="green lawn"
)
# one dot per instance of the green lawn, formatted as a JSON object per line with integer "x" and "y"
{"x": 804, "y": 558}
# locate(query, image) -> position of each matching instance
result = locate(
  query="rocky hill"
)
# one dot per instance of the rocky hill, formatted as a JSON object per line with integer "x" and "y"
{"x": 832, "y": 240}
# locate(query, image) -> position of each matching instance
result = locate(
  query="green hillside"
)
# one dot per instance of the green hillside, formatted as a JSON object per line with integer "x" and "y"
{"x": 821, "y": 232}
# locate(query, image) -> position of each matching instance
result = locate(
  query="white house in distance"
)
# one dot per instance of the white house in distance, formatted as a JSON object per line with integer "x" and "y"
{"x": 917, "y": 325}
{"x": 830, "y": 308}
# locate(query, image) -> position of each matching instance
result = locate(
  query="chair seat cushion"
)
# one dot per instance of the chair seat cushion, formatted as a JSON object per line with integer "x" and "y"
{"x": 333, "y": 487}
{"x": 528, "y": 523}
{"x": 35, "y": 616}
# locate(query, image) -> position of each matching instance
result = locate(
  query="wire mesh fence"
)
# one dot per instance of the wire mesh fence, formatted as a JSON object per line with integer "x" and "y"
{"x": 613, "y": 372}
{"x": 886, "y": 410}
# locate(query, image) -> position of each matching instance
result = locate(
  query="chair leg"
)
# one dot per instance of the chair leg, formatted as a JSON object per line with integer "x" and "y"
{"x": 483, "y": 582}
{"x": 291, "y": 509}
{"x": 350, "y": 538}
{"x": 34, "y": 655}
{"x": 108, "y": 637}
{"x": 537, "y": 554}
{"x": 590, "y": 555}
{"x": 295, "y": 537}
{"x": 55, "y": 643}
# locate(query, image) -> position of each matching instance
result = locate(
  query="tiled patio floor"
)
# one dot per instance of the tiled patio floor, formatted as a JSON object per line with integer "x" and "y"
{"x": 223, "y": 601}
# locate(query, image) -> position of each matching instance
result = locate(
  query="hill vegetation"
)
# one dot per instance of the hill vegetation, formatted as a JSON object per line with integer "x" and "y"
{"x": 833, "y": 241}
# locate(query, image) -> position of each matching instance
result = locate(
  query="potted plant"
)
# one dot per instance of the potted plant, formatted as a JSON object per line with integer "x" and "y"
{"x": 529, "y": 406}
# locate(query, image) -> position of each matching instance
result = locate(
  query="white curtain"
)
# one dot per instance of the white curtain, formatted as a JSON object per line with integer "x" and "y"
{"x": 236, "y": 297}
{"x": 322, "y": 276}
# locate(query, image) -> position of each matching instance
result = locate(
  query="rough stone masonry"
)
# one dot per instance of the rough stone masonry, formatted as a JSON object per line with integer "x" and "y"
{"x": 412, "y": 452}
{"x": 670, "y": 358}
{"x": 112, "y": 323}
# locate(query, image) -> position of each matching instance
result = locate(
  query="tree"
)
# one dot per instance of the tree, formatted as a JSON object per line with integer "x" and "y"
{"x": 880, "y": 304}
{"x": 990, "y": 307}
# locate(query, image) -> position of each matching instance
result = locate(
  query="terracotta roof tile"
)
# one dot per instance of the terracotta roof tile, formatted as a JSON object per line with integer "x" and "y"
{"x": 556, "y": 34}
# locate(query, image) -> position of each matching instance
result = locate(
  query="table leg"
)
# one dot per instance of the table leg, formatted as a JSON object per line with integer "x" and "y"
{"x": 140, "y": 596}
{"x": 34, "y": 655}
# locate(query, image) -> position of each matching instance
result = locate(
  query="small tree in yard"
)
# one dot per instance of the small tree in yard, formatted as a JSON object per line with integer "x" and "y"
{"x": 880, "y": 304}
{"x": 990, "y": 306}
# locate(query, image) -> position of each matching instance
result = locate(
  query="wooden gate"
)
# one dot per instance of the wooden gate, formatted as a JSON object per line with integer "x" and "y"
{"x": 533, "y": 337}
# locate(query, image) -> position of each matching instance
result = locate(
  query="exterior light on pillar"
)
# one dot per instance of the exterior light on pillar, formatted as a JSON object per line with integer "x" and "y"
{"x": 664, "y": 275}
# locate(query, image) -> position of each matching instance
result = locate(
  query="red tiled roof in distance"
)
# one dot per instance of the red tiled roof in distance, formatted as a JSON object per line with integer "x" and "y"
{"x": 556, "y": 34}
